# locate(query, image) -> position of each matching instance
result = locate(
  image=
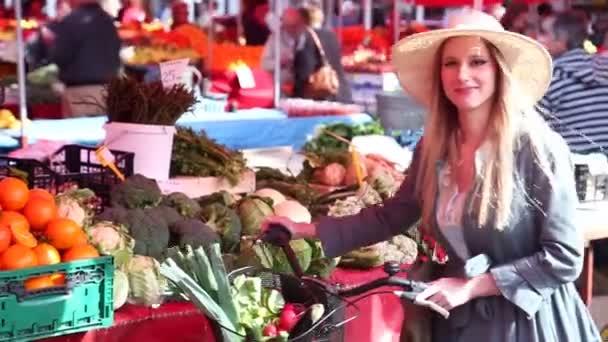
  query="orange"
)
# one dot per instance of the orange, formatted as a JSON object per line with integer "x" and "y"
{"x": 47, "y": 254}
{"x": 18, "y": 257}
{"x": 5, "y": 238}
{"x": 81, "y": 239}
{"x": 63, "y": 233}
{"x": 13, "y": 193}
{"x": 39, "y": 212}
{"x": 14, "y": 219}
{"x": 58, "y": 279}
{"x": 38, "y": 283}
{"x": 23, "y": 237}
{"x": 42, "y": 194}
{"x": 80, "y": 252}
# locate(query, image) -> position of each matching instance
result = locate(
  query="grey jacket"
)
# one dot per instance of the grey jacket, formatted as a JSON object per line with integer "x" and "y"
{"x": 536, "y": 259}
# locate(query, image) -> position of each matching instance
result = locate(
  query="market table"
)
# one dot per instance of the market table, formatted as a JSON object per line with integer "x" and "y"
{"x": 254, "y": 128}
{"x": 593, "y": 218}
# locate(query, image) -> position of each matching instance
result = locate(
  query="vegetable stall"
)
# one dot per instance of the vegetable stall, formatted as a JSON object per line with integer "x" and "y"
{"x": 146, "y": 245}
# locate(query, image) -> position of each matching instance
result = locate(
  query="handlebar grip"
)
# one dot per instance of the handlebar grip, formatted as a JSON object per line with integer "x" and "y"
{"x": 276, "y": 234}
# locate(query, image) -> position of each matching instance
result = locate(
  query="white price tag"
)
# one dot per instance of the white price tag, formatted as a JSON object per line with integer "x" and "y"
{"x": 172, "y": 72}
{"x": 245, "y": 77}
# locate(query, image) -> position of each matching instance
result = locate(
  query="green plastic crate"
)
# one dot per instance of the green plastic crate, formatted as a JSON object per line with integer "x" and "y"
{"x": 84, "y": 303}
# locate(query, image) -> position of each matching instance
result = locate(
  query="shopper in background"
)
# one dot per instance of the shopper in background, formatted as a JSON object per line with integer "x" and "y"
{"x": 85, "y": 46}
{"x": 308, "y": 58}
{"x": 576, "y": 102}
{"x": 516, "y": 18}
{"x": 292, "y": 28}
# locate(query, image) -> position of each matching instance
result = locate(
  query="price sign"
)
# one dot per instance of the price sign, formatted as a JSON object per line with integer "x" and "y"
{"x": 172, "y": 72}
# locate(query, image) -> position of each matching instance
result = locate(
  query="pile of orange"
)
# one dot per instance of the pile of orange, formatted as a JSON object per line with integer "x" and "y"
{"x": 32, "y": 234}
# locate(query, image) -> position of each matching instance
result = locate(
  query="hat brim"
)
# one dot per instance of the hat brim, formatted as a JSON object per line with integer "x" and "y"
{"x": 529, "y": 62}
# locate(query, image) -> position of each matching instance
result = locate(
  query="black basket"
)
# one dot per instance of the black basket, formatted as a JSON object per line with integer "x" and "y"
{"x": 70, "y": 164}
{"x": 306, "y": 291}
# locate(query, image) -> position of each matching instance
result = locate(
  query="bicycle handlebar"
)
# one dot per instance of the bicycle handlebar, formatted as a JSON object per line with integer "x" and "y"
{"x": 280, "y": 236}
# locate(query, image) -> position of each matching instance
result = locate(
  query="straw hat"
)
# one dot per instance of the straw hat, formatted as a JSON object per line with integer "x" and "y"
{"x": 529, "y": 62}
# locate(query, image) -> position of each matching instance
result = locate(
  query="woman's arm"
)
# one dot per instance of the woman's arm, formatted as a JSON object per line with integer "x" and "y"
{"x": 373, "y": 224}
{"x": 528, "y": 281}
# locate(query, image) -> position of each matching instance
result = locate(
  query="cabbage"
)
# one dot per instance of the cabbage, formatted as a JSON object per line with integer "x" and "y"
{"x": 252, "y": 210}
{"x": 274, "y": 195}
{"x": 301, "y": 249}
{"x": 146, "y": 285}
{"x": 121, "y": 288}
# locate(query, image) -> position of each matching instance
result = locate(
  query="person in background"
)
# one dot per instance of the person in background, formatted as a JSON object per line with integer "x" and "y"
{"x": 255, "y": 28}
{"x": 307, "y": 59}
{"x": 292, "y": 28}
{"x": 516, "y": 18}
{"x": 179, "y": 14}
{"x": 575, "y": 103}
{"x": 35, "y": 10}
{"x": 488, "y": 177}
{"x": 85, "y": 46}
{"x": 135, "y": 11}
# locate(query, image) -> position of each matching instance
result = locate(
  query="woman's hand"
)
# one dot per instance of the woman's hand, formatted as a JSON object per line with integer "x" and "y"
{"x": 453, "y": 292}
{"x": 297, "y": 230}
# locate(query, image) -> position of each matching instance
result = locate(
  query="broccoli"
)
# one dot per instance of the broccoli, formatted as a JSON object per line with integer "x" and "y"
{"x": 224, "y": 221}
{"x": 136, "y": 191}
{"x": 183, "y": 204}
{"x": 150, "y": 231}
{"x": 192, "y": 232}
{"x": 117, "y": 215}
{"x": 167, "y": 214}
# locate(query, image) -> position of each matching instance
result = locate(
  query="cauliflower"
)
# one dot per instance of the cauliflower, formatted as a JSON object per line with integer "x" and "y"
{"x": 68, "y": 207}
{"x": 112, "y": 239}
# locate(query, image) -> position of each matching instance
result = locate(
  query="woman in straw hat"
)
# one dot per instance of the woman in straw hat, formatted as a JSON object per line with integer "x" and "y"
{"x": 489, "y": 177}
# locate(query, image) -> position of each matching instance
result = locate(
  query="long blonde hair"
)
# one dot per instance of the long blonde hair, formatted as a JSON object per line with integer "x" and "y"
{"x": 494, "y": 194}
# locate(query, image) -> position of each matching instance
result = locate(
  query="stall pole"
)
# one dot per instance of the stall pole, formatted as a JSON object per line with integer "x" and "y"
{"x": 339, "y": 22}
{"x": 21, "y": 73}
{"x": 277, "y": 52}
{"x": 210, "y": 39}
{"x": 396, "y": 19}
{"x": 367, "y": 15}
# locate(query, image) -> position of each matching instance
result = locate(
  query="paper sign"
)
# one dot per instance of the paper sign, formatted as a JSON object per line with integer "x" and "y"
{"x": 172, "y": 72}
{"x": 245, "y": 77}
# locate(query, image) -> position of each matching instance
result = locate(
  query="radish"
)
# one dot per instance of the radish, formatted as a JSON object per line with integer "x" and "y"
{"x": 270, "y": 330}
{"x": 288, "y": 318}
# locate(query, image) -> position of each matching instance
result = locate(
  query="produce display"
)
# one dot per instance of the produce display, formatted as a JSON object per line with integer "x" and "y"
{"x": 194, "y": 154}
{"x": 168, "y": 246}
{"x": 154, "y": 54}
{"x": 33, "y": 232}
{"x": 294, "y": 107}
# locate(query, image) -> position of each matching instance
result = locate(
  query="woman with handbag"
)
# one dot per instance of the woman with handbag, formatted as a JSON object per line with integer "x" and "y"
{"x": 488, "y": 177}
{"x": 318, "y": 72}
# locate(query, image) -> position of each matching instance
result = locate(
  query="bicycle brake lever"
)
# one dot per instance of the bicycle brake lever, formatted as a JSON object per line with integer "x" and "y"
{"x": 276, "y": 234}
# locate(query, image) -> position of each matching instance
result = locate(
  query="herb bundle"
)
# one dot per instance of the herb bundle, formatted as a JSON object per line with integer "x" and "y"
{"x": 194, "y": 154}
{"x": 130, "y": 101}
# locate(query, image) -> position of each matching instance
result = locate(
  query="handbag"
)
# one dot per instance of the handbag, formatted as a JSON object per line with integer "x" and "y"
{"x": 324, "y": 82}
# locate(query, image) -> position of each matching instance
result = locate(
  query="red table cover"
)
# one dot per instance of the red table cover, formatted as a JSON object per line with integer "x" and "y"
{"x": 379, "y": 318}
{"x": 170, "y": 322}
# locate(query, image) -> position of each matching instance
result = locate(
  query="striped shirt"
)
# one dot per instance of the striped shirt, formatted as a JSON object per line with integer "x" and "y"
{"x": 576, "y": 104}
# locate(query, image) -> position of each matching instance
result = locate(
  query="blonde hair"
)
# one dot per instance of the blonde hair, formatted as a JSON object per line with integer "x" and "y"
{"x": 494, "y": 194}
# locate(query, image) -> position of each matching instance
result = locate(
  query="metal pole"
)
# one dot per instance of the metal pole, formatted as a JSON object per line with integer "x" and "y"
{"x": 339, "y": 22}
{"x": 21, "y": 73}
{"x": 210, "y": 38}
{"x": 277, "y": 52}
{"x": 396, "y": 20}
{"x": 367, "y": 15}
